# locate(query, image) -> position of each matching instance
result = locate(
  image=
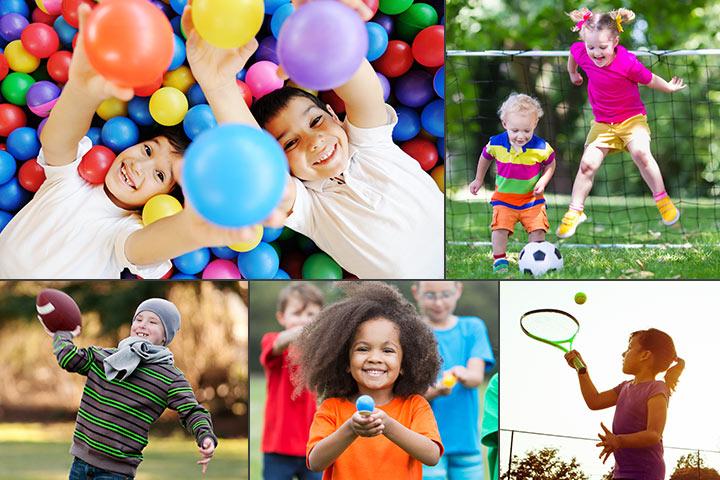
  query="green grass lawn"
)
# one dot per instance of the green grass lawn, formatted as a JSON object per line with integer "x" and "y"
{"x": 40, "y": 452}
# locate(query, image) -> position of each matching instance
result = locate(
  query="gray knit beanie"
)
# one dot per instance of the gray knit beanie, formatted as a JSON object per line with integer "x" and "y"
{"x": 168, "y": 313}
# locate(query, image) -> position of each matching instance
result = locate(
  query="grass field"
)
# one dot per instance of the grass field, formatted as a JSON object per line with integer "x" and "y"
{"x": 632, "y": 223}
{"x": 40, "y": 452}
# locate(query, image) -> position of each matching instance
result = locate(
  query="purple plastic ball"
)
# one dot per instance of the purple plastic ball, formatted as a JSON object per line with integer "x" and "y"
{"x": 415, "y": 88}
{"x": 42, "y": 97}
{"x": 384, "y": 21}
{"x": 385, "y": 83}
{"x": 267, "y": 50}
{"x": 12, "y": 25}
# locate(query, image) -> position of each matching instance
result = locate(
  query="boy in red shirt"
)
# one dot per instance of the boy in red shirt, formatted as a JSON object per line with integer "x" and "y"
{"x": 287, "y": 418}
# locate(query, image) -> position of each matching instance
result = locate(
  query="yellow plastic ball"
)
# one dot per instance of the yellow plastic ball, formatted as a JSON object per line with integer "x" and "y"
{"x": 247, "y": 246}
{"x": 438, "y": 174}
{"x": 160, "y": 206}
{"x": 180, "y": 78}
{"x": 112, "y": 107}
{"x": 228, "y": 23}
{"x": 449, "y": 380}
{"x": 19, "y": 59}
{"x": 580, "y": 298}
{"x": 168, "y": 106}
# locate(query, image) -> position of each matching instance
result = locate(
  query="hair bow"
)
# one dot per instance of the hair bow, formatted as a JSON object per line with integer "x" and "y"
{"x": 579, "y": 25}
{"x": 618, "y": 20}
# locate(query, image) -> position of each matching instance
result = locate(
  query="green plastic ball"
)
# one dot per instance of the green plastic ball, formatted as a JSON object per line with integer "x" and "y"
{"x": 393, "y": 7}
{"x": 15, "y": 87}
{"x": 321, "y": 266}
{"x": 414, "y": 19}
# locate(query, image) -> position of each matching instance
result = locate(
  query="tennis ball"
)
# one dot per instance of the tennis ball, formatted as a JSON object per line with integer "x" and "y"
{"x": 580, "y": 298}
{"x": 449, "y": 380}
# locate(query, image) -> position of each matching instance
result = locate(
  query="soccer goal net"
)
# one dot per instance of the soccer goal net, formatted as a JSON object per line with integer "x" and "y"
{"x": 620, "y": 208}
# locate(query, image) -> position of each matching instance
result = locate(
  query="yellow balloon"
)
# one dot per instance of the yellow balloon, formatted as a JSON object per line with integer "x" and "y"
{"x": 180, "y": 78}
{"x": 438, "y": 174}
{"x": 228, "y": 23}
{"x": 160, "y": 206}
{"x": 19, "y": 59}
{"x": 247, "y": 246}
{"x": 112, "y": 107}
{"x": 168, "y": 106}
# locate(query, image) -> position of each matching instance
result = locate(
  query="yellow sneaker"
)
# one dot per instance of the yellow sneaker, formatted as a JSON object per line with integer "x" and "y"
{"x": 668, "y": 212}
{"x": 569, "y": 223}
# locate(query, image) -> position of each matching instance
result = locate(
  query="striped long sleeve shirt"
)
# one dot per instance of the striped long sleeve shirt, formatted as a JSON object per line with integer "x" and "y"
{"x": 114, "y": 417}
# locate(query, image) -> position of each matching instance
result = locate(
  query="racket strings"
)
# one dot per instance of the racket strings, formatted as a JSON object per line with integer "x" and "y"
{"x": 550, "y": 326}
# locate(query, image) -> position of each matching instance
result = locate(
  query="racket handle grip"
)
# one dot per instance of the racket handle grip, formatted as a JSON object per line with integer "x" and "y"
{"x": 579, "y": 365}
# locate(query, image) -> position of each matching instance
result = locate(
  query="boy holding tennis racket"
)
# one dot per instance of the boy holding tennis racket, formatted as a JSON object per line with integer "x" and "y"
{"x": 466, "y": 355}
{"x": 641, "y": 405}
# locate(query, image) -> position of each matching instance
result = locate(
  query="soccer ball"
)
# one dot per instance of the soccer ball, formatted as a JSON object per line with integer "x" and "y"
{"x": 536, "y": 258}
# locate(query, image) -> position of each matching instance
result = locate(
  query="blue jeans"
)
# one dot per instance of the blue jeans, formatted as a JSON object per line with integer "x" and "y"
{"x": 455, "y": 467}
{"x": 287, "y": 467}
{"x": 82, "y": 470}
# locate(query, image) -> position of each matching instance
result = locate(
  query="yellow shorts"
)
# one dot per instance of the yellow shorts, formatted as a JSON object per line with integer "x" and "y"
{"x": 533, "y": 218}
{"x": 616, "y": 136}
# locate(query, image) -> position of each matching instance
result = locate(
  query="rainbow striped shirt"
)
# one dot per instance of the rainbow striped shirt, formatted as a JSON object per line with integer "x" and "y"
{"x": 517, "y": 172}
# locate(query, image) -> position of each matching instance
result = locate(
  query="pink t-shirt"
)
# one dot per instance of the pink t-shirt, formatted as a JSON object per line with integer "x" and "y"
{"x": 612, "y": 90}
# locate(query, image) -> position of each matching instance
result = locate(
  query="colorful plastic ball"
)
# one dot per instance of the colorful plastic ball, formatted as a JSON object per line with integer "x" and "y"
{"x": 160, "y": 206}
{"x": 95, "y": 164}
{"x": 5, "y": 218}
{"x": 8, "y": 167}
{"x": 377, "y": 41}
{"x": 178, "y": 57}
{"x": 220, "y": 269}
{"x": 262, "y": 78}
{"x": 12, "y": 196}
{"x": 439, "y": 82}
{"x": 408, "y": 124}
{"x": 19, "y": 59}
{"x": 281, "y": 275}
{"x": 93, "y": 134}
{"x": 65, "y": 31}
{"x": 365, "y": 403}
{"x": 279, "y": 16}
{"x": 69, "y": 10}
{"x": 192, "y": 262}
{"x": 198, "y": 119}
{"x": 393, "y": 7}
{"x": 196, "y": 96}
{"x": 12, "y": 26}
{"x": 23, "y": 143}
{"x": 42, "y": 97}
{"x": 14, "y": 6}
{"x": 227, "y": 23}
{"x": 422, "y": 150}
{"x": 119, "y": 133}
{"x": 139, "y": 111}
{"x": 129, "y": 42}
{"x": 271, "y": 234}
{"x": 386, "y": 22}
{"x": 272, "y": 5}
{"x": 183, "y": 276}
{"x": 322, "y": 44}
{"x": 428, "y": 48}
{"x": 112, "y": 107}
{"x": 321, "y": 266}
{"x": 258, "y": 263}
{"x": 168, "y": 106}
{"x": 58, "y": 66}
{"x": 335, "y": 102}
{"x": 31, "y": 175}
{"x": 396, "y": 60}
{"x": 149, "y": 89}
{"x": 415, "y": 88}
{"x": 441, "y": 146}
{"x": 438, "y": 174}
{"x": 250, "y": 244}
{"x": 40, "y": 40}
{"x": 226, "y": 253}
{"x": 11, "y": 117}
{"x": 38, "y": 16}
{"x": 4, "y": 67}
{"x": 178, "y": 5}
{"x": 245, "y": 92}
{"x": 51, "y": 7}
{"x": 267, "y": 50}
{"x": 180, "y": 78}
{"x": 234, "y": 175}
{"x": 433, "y": 118}
{"x": 385, "y": 84}
{"x": 414, "y": 19}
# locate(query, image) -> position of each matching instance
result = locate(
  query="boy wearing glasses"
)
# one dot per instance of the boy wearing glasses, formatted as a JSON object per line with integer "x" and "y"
{"x": 466, "y": 353}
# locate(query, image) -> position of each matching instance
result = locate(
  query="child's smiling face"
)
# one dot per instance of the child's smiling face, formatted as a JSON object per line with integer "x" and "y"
{"x": 376, "y": 355}
{"x": 142, "y": 171}
{"x": 520, "y": 127}
{"x": 600, "y": 46}
{"x": 147, "y": 325}
{"x": 314, "y": 140}
{"x": 297, "y": 312}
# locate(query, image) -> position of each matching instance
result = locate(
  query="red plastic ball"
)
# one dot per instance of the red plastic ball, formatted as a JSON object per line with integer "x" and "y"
{"x": 4, "y": 67}
{"x": 428, "y": 48}
{"x": 31, "y": 175}
{"x": 396, "y": 61}
{"x": 58, "y": 66}
{"x": 129, "y": 42}
{"x": 40, "y": 40}
{"x": 335, "y": 102}
{"x": 69, "y": 10}
{"x": 147, "y": 90}
{"x": 11, "y": 117}
{"x": 38, "y": 16}
{"x": 95, "y": 164}
{"x": 245, "y": 91}
{"x": 422, "y": 150}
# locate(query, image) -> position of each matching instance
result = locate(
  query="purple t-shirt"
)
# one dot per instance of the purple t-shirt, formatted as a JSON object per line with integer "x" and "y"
{"x": 612, "y": 90}
{"x": 631, "y": 415}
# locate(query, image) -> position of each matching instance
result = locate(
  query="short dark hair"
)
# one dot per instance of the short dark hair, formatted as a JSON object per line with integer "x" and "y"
{"x": 266, "y": 107}
{"x": 174, "y": 134}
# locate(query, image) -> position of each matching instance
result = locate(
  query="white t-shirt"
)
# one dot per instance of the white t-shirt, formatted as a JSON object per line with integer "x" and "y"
{"x": 70, "y": 229}
{"x": 385, "y": 220}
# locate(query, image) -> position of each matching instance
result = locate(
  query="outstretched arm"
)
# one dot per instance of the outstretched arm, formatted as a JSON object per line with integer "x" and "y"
{"x": 658, "y": 83}
{"x": 327, "y": 450}
{"x": 418, "y": 446}
{"x": 482, "y": 168}
{"x": 593, "y": 399}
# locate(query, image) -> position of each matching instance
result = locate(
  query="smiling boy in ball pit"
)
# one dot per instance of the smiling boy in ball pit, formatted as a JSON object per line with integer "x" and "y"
{"x": 73, "y": 229}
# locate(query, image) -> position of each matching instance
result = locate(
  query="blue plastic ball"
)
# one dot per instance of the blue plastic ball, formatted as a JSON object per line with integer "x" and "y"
{"x": 8, "y": 167}
{"x": 178, "y": 57}
{"x": 260, "y": 262}
{"x": 439, "y": 82}
{"x": 176, "y": 23}
{"x": 241, "y": 74}
{"x": 235, "y": 175}
{"x": 139, "y": 111}
{"x": 271, "y": 234}
{"x": 119, "y": 133}
{"x": 272, "y": 5}
{"x": 365, "y": 403}
{"x": 14, "y": 6}
{"x": 23, "y": 143}
{"x": 226, "y": 253}
{"x": 65, "y": 31}
{"x": 279, "y": 16}
{"x": 377, "y": 40}
{"x": 183, "y": 276}
{"x": 195, "y": 95}
{"x": 5, "y": 218}
{"x": 408, "y": 125}
{"x": 178, "y": 6}
{"x": 94, "y": 135}
{"x": 281, "y": 275}
{"x": 433, "y": 118}
{"x": 441, "y": 146}
{"x": 198, "y": 119}
{"x": 12, "y": 196}
{"x": 192, "y": 262}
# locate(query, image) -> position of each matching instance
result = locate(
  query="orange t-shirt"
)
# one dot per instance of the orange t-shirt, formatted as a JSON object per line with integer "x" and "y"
{"x": 374, "y": 457}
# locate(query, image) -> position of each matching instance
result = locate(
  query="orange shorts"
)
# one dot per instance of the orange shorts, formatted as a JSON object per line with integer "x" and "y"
{"x": 533, "y": 218}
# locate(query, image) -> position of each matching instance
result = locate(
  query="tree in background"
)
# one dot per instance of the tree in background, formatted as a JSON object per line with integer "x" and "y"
{"x": 692, "y": 467}
{"x": 544, "y": 464}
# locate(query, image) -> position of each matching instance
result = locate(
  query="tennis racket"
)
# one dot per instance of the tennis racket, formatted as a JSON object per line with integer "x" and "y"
{"x": 554, "y": 327}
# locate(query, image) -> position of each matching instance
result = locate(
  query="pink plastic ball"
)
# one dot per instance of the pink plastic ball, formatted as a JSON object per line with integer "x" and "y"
{"x": 51, "y": 7}
{"x": 262, "y": 78}
{"x": 221, "y": 270}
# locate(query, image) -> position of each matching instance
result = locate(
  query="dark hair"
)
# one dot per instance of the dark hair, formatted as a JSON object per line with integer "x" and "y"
{"x": 174, "y": 134}
{"x": 266, "y": 107}
{"x": 306, "y": 292}
{"x": 322, "y": 350}
{"x": 661, "y": 345}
